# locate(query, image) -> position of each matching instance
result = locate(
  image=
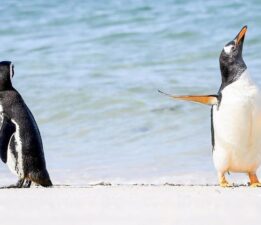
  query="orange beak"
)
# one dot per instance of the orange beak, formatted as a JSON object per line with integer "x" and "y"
{"x": 240, "y": 35}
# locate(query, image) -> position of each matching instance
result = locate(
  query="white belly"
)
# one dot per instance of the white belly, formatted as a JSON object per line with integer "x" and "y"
{"x": 12, "y": 162}
{"x": 14, "y": 157}
{"x": 237, "y": 127}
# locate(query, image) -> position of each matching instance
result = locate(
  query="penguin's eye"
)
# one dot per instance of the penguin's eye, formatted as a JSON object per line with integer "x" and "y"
{"x": 233, "y": 48}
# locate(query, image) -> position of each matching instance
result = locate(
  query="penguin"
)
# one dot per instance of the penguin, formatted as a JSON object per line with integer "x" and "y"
{"x": 21, "y": 145}
{"x": 235, "y": 116}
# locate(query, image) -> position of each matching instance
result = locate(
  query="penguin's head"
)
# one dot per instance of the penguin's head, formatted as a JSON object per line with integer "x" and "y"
{"x": 6, "y": 74}
{"x": 231, "y": 61}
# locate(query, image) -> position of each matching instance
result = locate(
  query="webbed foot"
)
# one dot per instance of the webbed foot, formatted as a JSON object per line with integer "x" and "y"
{"x": 254, "y": 182}
{"x": 225, "y": 185}
{"x": 27, "y": 184}
{"x": 19, "y": 184}
{"x": 222, "y": 181}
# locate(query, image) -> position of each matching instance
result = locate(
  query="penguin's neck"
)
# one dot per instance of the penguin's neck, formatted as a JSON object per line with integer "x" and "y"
{"x": 5, "y": 85}
{"x": 231, "y": 73}
{"x": 244, "y": 79}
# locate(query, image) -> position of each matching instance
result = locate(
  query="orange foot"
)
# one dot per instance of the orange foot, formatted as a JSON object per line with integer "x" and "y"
{"x": 254, "y": 182}
{"x": 225, "y": 184}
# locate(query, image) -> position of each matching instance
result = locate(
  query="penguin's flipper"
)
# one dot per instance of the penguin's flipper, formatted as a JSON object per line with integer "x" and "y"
{"x": 203, "y": 99}
{"x": 6, "y": 131}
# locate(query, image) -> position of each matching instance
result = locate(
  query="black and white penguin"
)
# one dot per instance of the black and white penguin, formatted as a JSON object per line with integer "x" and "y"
{"x": 235, "y": 116}
{"x": 20, "y": 140}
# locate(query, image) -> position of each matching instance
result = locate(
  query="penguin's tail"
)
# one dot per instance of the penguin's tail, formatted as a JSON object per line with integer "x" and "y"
{"x": 41, "y": 177}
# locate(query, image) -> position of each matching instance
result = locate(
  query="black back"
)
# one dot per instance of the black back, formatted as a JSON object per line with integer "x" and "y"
{"x": 15, "y": 108}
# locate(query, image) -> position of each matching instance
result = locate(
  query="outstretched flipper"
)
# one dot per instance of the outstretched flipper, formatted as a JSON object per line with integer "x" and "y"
{"x": 203, "y": 99}
{"x": 6, "y": 131}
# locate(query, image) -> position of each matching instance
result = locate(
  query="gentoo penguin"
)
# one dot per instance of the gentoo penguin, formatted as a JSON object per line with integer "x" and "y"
{"x": 235, "y": 116}
{"x": 20, "y": 141}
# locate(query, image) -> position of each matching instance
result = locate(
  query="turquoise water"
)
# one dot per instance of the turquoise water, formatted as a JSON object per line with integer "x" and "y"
{"x": 89, "y": 71}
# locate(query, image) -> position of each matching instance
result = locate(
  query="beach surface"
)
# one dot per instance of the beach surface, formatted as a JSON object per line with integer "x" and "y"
{"x": 131, "y": 204}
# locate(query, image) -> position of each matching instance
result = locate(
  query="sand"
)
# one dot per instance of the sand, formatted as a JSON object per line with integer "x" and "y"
{"x": 130, "y": 204}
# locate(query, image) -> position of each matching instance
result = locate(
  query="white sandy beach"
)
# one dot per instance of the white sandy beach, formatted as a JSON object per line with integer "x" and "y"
{"x": 127, "y": 204}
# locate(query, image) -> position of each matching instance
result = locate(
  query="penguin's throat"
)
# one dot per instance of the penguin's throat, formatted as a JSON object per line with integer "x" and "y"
{"x": 5, "y": 85}
{"x": 232, "y": 72}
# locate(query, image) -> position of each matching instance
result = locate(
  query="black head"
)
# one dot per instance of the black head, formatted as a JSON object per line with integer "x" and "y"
{"x": 6, "y": 74}
{"x": 231, "y": 61}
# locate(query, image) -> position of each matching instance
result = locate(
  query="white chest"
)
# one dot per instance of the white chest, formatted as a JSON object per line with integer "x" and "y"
{"x": 236, "y": 124}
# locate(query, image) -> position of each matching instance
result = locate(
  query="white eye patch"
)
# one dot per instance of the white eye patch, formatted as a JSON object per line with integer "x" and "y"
{"x": 228, "y": 48}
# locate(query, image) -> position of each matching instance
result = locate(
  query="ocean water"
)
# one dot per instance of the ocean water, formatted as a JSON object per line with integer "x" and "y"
{"x": 90, "y": 70}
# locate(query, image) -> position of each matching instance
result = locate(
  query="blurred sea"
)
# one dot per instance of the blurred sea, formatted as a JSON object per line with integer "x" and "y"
{"x": 90, "y": 70}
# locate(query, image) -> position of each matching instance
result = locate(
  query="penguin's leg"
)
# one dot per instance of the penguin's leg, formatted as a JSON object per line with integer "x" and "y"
{"x": 254, "y": 182}
{"x": 222, "y": 180}
{"x": 27, "y": 183}
{"x": 19, "y": 184}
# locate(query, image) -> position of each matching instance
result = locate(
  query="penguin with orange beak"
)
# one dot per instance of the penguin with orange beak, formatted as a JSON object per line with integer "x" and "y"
{"x": 235, "y": 116}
